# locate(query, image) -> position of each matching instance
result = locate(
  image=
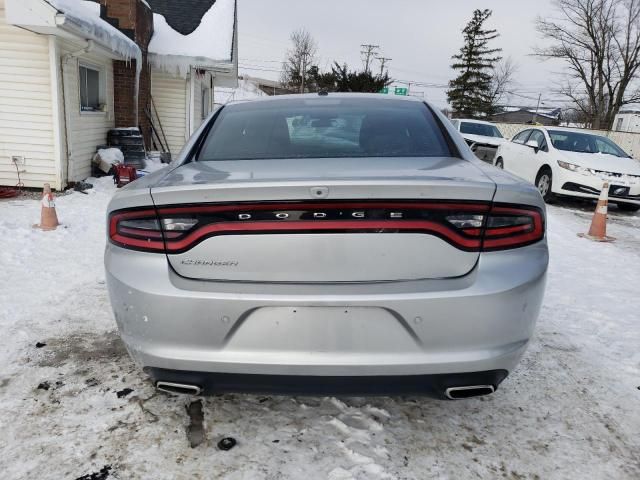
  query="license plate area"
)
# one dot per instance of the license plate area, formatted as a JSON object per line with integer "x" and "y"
{"x": 322, "y": 330}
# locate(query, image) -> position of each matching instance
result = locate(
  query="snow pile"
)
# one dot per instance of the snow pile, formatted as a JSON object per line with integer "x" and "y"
{"x": 211, "y": 43}
{"x": 85, "y": 16}
{"x": 247, "y": 90}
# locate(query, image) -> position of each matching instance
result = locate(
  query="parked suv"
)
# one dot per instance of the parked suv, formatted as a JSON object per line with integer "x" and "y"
{"x": 341, "y": 243}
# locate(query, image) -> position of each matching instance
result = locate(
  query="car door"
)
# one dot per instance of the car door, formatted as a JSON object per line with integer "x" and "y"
{"x": 533, "y": 159}
{"x": 514, "y": 153}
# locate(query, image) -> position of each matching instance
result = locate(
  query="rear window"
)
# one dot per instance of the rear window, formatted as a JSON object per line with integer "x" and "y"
{"x": 323, "y": 128}
{"x": 481, "y": 129}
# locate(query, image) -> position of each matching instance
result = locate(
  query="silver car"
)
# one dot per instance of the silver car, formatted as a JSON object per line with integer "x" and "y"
{"x": 331, "y": 243}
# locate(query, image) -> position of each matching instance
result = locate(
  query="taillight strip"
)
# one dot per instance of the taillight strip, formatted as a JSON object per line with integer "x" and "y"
{"x": 465, "y": 238}
{"x": 302, "y": 226}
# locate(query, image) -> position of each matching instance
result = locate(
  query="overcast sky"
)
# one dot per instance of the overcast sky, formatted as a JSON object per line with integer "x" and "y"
{"x": 420, "y": 36}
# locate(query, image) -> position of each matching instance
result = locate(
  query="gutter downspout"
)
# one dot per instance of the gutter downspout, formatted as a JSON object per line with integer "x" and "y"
{"x": 64, "y": 59}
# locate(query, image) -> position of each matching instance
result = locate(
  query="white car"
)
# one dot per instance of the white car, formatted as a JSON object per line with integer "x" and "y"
{"x": 484, "y": 138}
{"x": 562, "y": 161}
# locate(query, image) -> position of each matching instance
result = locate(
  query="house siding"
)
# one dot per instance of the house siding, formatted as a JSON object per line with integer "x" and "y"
{"x": 26, "y": 107}
{"x": 170, "y": 97}
{"x": 85, "y": 130}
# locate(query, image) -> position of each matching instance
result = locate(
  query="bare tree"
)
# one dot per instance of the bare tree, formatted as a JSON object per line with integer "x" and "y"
{"x": 600, "y": 42}
{"x": 501, "y": 82}
{"x": 301, "y": 57}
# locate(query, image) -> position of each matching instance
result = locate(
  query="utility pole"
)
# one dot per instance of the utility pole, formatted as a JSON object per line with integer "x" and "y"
{"x": 535, "y": 115}
{"x": 368, "y": 52}
{"x": 303, "y": 72}
{"x": 383, "y": 62}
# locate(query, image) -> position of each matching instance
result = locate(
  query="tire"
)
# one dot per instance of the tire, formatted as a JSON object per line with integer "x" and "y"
{"x": 544, "y": 184}
{"x": 628, "y": 207}
{"x": 500, "y": 163}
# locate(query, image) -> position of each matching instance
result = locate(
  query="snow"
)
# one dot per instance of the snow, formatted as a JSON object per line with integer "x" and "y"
{"x": 569, "y": 411}
{"x": 86, "y": 15}
{"x": 211, "y": 43}
{"x": 247, "y": 90}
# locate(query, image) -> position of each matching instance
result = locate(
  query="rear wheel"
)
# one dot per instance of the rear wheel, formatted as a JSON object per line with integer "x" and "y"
{"x": 500, "y": 163}
{"x": 628, "y": 207}
{"x": 544, "y": 182}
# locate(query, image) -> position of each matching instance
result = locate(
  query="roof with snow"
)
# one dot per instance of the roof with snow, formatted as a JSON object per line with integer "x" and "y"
{"x": 552, "y": 113}
{"x": 73, "y": 17}
{"x": 193, "y": 33}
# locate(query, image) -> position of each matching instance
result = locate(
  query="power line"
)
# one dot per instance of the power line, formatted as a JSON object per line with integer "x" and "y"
{"x": 383, "y": 61}
{"x": 368, "y": 52}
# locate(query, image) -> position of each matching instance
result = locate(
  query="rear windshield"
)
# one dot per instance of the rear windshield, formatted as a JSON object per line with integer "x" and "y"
{"x": 481, "y": 129}
{"x": 323, "y": 128}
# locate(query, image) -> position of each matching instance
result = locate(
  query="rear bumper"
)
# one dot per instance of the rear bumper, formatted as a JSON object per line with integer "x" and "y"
{"x": 479, "y": 322}
{"x": 429, "y": 385}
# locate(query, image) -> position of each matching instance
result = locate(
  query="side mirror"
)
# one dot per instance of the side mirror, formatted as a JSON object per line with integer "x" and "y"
{"x": 533, "y": 144}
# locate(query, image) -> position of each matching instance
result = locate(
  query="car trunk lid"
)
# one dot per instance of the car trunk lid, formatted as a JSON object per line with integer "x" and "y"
{"x": 326, "y": 220}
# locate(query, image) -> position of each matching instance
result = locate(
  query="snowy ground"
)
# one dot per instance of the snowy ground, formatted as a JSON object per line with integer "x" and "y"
{"x": 571, "y": 410}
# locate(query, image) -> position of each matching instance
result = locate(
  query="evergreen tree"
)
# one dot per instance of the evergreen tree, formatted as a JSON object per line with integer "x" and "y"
{"x": 341, "y": 79}
{"x": 470, "y": 92}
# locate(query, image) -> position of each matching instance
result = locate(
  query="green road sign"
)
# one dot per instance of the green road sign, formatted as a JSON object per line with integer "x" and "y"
{"x": 401, "y": 91}
{"x": 385, "y": 90}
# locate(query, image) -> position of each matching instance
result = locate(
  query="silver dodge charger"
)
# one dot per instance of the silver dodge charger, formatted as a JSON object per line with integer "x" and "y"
{"x": 327, "y": 244}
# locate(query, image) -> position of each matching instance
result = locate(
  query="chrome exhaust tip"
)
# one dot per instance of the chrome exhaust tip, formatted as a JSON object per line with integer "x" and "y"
{"x": 178, "y": 388}
{"x": 458, "y": 393}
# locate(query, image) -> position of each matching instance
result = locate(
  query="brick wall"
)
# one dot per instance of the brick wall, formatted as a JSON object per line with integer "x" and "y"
{"x": 134, "y": 19}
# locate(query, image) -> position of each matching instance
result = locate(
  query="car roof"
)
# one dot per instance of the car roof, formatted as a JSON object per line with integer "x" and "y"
{"x": 317, "y": 96}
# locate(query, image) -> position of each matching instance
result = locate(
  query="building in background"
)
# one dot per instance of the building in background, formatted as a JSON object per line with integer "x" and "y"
{"x": 74, "y": 69}
{"x": 627, "y": 121}
{"x": 528, "y": 115}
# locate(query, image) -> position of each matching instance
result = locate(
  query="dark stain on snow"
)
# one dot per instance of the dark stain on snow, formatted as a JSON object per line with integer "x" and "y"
{"x": 82, "y": 349}
{"x": 101, "y": 474}
{"x": 124, "y": 392}
{"x": 195, "y": 430}
{"x": 40, "y": 344}
{"x": 91, "y": 382}
{"x": 44, "y": 386}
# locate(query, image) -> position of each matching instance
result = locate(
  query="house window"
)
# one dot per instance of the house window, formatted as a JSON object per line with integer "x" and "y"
{"x": 619, "y": 125}
{"x": 91, "y": 89}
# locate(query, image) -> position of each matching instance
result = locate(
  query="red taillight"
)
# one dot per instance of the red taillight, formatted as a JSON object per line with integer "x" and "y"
{"x": 137, "y": 230}
{"x": 512, "y": 227}
{"x": 467, "y": 226}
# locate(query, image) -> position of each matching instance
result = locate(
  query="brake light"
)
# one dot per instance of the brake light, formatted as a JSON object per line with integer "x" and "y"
{"x": 136, "y": 230}
{"x": 512, "y": 227}
{"x": 467, "y": 226}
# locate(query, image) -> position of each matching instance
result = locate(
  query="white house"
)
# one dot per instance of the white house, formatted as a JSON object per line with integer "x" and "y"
{"x": 70, "y": 70}
{"x": 189, "y": 57}
{"x": 627, "y": 121}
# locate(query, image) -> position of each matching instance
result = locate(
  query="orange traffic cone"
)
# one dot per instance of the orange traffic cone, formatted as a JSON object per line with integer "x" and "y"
{"x": 48, "y": 217}
{"x": 598, "y": 229}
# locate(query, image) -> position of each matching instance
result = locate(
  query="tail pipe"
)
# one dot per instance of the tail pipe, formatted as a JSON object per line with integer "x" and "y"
{"x": 178, "y": 388}
{"x": 458, "y": 393}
